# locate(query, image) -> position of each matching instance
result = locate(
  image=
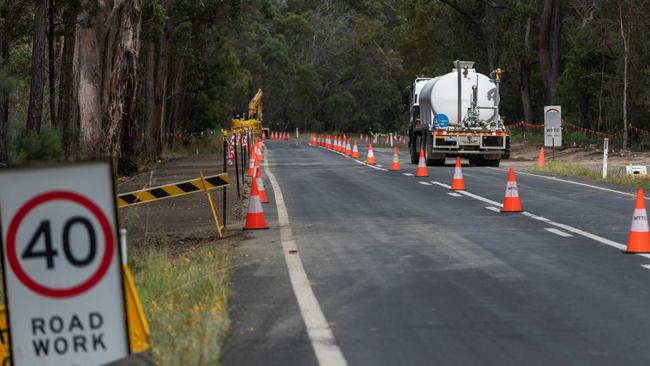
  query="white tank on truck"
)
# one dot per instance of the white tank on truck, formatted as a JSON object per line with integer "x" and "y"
{"x": 457, "y": 114}
{"x": 439, "y": 96}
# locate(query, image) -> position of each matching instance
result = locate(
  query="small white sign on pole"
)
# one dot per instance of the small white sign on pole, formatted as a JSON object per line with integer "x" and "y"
{"x": 605, "y": 155}
{"x": 553, "y": 126}
{"x": 62, "y": 265}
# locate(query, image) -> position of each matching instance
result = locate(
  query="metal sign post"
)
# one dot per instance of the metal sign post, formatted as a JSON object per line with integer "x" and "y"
{"x": 62, "y": 265}
{"x": 605, "y": 154}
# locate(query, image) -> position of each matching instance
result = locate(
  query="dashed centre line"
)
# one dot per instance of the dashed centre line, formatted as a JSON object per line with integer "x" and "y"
{"x": 558, "y": 232}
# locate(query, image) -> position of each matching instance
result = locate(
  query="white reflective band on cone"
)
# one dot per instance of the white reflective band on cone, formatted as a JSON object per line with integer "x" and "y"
{"x": 511, "y": 189}
{"x": 639, "y": 220}
{"x": 254, "y": 205}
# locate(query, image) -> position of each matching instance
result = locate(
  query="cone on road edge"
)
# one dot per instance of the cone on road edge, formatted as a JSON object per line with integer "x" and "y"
{"x": 251, "y": 165}
{"x": 355, "y": 150}
{"x": 638, "y": 240}
{"x": 540, "y": 158}
{"x": 395, "y": 165}
{"x": 348, "y": 149}
{"x": 371, "y": 156}
{"x": 260, "y": 186}
{"x": 255, "y": 215}
{"x": 422, "y": 170}
{"x": 511, "y": 202}
{"x": 457, "y": 182}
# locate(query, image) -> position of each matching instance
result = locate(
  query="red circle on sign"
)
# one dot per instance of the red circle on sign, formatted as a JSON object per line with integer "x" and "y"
{"x": 66, "y": 196}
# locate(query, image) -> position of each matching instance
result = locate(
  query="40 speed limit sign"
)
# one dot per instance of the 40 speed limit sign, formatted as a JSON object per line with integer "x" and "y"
{"x": 62, "y": 266}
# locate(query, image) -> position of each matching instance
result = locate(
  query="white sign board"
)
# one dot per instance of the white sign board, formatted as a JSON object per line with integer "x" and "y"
{"x": 62, "y": 267}
{"x": 553, "y": 126}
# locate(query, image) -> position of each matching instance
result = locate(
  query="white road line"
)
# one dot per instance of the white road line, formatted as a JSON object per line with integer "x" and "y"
{"x": 480, "y": 198}
{"x": 558, "y": 232}
{"x": 454, "y": 194}
{"x": 646, "y": 266}
{"x": 425, "y": 183}
{"x": 565, "y": 227}
{"x": 540, "y": 218}
{"x": 372, "y": 166}
{"x": 318, "y": 330}
{"x": 441, "y": 185}
{"x": 408, "y": 174}
{"x": 572, "y": 182}
{"x": 379, "y": 165}
{"x": 492, "y": 208}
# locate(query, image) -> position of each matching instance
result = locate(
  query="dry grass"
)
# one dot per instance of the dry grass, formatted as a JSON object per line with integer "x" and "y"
{"x": 185, "y": 296}
{"x": 613, "y": 177}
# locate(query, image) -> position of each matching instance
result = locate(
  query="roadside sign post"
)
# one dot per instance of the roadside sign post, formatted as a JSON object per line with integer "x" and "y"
{"x": 64, "y": 288}
{"x": 605, "y": 155}
{"x": 553, "y": 127}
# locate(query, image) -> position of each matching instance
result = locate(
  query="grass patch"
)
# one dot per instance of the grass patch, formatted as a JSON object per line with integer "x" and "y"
{"x": 613, "y": 177}
{"x": 185, "y": 296}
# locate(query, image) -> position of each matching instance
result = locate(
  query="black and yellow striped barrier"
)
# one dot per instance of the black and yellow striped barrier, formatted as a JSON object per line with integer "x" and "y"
{"x": 173, "y": 190}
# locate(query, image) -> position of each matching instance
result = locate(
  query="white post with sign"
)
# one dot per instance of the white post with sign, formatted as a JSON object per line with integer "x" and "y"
{"x": 605, "y": 153}
{"x": 553, "y": 126}
{"x": 62, "y": 266}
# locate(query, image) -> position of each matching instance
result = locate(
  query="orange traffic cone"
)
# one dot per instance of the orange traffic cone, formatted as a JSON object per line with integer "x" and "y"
{"x": 255, "y": 215}
{"x": 348, "y": 149}
{"x": 366, "y": 139}
{"x": 251, "y": 165}
{"x": 540, "y": 158}
{"x": 260, "y": 186}
{"x": 422, "y": 170}
{"x": 371, "y": 156}
{"x": 355, "y": 150}
{"x": 639, "y": 239}
{"x": 259, "y": 153}
{"x": 395, "y": 165}
{"x": 457, "y": 182}
{"x": 511, "y": 201}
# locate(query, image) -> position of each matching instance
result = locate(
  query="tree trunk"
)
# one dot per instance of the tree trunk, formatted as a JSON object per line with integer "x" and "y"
{"x": 549, "y": 47}
{"x": 6, "y": 34}
{"x": 162, "y": 75}
{"x": 51, "y": 63}
{"x": 490, "y": 33}
{"x": 600, "y": 94}
{"x": 151, "y": 133}
{"x": 67, "y": 96}
{"x": 524, "y": 74}
{"x": 108, "y": 68}
{"x": 35, "y": 109}
{"x": 625, "y": 36}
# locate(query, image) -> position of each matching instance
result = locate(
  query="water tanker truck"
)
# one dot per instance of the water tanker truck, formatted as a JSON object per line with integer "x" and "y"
{"x": 457, "y": 114}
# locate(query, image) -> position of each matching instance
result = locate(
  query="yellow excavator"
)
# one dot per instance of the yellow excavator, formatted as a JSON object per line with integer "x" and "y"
{"x": 252, "y": 121}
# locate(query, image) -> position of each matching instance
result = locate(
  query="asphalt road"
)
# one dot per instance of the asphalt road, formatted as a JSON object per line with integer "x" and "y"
{"x": 406, "y": 273}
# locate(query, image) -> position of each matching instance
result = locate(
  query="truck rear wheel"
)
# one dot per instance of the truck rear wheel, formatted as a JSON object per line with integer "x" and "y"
{"x": 415, "y": 149}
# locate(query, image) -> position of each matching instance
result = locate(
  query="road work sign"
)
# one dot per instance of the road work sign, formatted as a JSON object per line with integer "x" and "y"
{"x": 62, "y": 266}
{"x": 553, "y": 126}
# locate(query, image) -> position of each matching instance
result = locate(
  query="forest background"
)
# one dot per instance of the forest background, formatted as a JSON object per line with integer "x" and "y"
{"x": 126, "y": 78}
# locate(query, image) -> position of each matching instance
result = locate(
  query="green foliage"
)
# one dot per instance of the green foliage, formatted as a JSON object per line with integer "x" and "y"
{"x": 45, "y": 146}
